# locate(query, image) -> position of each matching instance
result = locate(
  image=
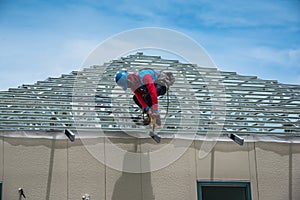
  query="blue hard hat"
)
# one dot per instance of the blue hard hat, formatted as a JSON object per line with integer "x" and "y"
{"x": 122, "y": 79}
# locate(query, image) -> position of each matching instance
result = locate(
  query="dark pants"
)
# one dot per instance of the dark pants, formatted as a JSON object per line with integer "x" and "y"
{"x": 161, "y": 90}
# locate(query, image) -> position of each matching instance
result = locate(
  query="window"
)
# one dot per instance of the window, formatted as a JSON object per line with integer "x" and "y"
{"x": 216, "y": 190}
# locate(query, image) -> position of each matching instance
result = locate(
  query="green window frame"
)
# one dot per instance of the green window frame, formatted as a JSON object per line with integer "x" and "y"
{"x": 223, "y": 188}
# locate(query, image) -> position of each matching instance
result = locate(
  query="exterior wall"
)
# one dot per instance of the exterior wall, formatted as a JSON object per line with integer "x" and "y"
{"x": 1, "y": 158}
{"x": 176, "y": 181}
{"x": 85, "y": 173}
{"x": 38, "y": 166}
{"x": 278, "y": 171}
{"x": 59, "y": 169}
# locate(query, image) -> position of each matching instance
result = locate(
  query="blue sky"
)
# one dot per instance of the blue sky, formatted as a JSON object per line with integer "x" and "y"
{"x": 41, "y": 39}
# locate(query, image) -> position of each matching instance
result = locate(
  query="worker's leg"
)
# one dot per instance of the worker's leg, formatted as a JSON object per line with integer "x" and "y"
{"x": 147, "y": 119}
{"x": 136, "y": 101}
{"x": 160, "y": 90}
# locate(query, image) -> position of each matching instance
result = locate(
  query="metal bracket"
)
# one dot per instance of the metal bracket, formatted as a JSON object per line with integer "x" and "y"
{"x": 237, "y": 139}
{"x": 70, "y": 135}
{"x": 67, "y": 132}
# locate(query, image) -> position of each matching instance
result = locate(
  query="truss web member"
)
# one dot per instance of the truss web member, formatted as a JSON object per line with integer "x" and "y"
{"x": 147, "y": 85}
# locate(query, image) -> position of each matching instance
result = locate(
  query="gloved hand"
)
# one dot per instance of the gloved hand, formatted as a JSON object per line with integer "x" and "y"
{"x": 156, "y": 116}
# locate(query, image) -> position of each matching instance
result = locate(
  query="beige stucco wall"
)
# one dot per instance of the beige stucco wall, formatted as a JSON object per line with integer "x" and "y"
{"x": 278, "y": 171}
{"x": 59, "y": 169}
{"x": 38, "y": 166}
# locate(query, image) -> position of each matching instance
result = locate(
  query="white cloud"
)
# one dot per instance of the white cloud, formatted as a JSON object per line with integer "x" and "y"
{"x": 294, "y": 56}
{"x": 77, "y": 49}
{"x": 287, "y": 58}
{"x": 230, "y": 13}
{"x": 30, "y": 62}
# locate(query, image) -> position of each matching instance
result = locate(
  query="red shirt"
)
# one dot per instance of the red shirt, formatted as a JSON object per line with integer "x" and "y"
{"x": 139, "y": 92}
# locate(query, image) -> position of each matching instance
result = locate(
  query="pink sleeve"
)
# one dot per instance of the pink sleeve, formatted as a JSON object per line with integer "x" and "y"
{"x": 147, "y": 79}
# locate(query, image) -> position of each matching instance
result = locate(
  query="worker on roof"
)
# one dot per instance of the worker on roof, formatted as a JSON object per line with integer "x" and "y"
{"x": 147, "y": 85}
